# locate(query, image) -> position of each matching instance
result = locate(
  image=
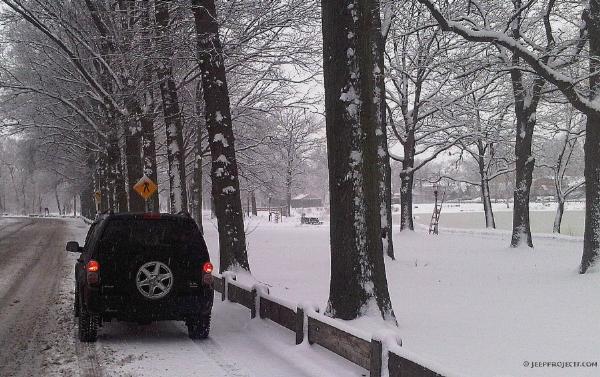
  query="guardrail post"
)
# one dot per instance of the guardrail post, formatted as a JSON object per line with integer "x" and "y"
{"x": 376, "y": 350}
{"x": 226, "y": 276}
{"x": 299, "y": 325}
{"x": 255, "y": 304}
{"x": 262, "y": 309}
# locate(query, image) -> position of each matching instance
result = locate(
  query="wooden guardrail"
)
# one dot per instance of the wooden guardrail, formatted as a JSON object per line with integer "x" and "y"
{"x": 372, "y": 354}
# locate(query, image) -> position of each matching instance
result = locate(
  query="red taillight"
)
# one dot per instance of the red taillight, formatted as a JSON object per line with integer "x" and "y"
{"x": 207, "y": 268}
{"x": 93, "y": 266}
{"x": 151, "y": 216}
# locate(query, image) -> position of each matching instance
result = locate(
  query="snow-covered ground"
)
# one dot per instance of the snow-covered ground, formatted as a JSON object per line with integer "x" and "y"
{"x": 463, "y": 300}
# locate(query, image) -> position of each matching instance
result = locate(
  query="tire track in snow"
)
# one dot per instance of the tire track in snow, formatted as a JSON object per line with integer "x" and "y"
{"x": 87, "y": 358}
{"x": 215, "y": 352}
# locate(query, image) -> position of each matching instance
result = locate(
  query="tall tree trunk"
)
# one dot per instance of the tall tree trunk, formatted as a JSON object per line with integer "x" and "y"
{"x": 133, "y": 153}
{"x": 148, "y": 116}
{"x": 248, "y": 204}
{"x": 117, "y": 179}
{"x": 101, "y": 181}
{"x": 485, "y": 187}
{"x": 224, "y": 169}
{"x": 87, "y": 207}
{"x": 490, "y": 222}
{"x": 288, "y": 193}
{"x": 133, "y": 163}
{"x": 197, "y": 190}
{"x": 406, "y": 201}
{"x": 560, "y": 210}
{"x": 526, "y": 101}
{"x": 253, "y": 202}
{"x": 358, "y": 279}
{"x": 591, "y": 237}
{"x": 521, "y": 231}
{"x": 149, "y": 152}
{"x": 385, "y": 171}
{"x": 171, "y": 111}
{"x": 407, "y": 176}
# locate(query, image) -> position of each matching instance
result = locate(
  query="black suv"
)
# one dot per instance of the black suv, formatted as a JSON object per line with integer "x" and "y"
{"x": 143, "y": 268}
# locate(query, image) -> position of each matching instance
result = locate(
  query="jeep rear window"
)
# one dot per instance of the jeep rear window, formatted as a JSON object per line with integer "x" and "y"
{"x": 122, "y": 236}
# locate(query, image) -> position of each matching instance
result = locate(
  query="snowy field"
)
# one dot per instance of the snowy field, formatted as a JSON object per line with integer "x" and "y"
{"x": 470, "y": 216}
{"x": 464, "y": 301}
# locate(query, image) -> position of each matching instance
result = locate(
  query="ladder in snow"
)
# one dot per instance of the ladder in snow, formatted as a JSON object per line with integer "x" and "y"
{"x": 435, "y": 217}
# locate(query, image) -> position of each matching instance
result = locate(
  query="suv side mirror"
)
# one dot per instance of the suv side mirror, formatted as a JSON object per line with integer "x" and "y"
{"x": 73, "y": 247}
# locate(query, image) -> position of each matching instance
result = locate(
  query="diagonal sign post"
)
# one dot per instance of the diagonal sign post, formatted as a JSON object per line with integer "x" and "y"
{"x": 145, "y": 187}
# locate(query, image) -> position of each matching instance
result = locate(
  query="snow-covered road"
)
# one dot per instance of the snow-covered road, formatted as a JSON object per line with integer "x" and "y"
{"x": 37, "y": 332}
{"x": 29, "y": 262}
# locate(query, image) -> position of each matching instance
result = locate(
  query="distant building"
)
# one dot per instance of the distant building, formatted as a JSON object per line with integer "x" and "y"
{"x": 306, "y": 201}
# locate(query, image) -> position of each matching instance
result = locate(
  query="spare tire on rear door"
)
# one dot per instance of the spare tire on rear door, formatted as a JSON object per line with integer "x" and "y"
{"x": 154, "y": 280}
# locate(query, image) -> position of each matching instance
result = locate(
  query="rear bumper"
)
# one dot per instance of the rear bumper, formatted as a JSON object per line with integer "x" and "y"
{"x": 125, "y": 308}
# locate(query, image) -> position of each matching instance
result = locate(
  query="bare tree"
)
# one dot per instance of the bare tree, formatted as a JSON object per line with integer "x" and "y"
{"x": 573, "y": 88}
{"x": 561, "y": 154}
{"x": 294, "y": 136}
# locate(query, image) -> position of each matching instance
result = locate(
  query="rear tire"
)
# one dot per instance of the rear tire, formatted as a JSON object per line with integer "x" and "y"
{"x": 76, "y": 307}
{"x": 198, "y": 328}
{"x": 88, "y": 326}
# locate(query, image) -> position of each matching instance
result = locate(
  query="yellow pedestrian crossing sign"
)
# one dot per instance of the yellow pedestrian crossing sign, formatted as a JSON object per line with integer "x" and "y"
{"x": 145, "y": 187}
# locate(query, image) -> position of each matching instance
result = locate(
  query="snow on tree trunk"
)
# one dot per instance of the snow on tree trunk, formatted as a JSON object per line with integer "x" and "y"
{"x": 406, "y": 201}
{"x": 487, "y": 204}
{"x": 358, "y": 281}
{"x": 197, "y": 188}
{"x": 99, "y": 180}
{"x": 521, "y": 231}
{"x": 149, "y": 153}
{"x": 484, "y": 181}
{"x": 385, "y": 171}
{"x": 591, "y": 237}
{"x": 526, "y": 100}
{"x": 132, "y": 132}
{"x": 224, "y": 169}
{"x": 117, "y": 196}
{"x": 560, "y": 209}
{"x": 407, "y": 176}
{"x": 171, "y": 111}
{"x": 148, "y": 116}
{"x": 133, "y": 162}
